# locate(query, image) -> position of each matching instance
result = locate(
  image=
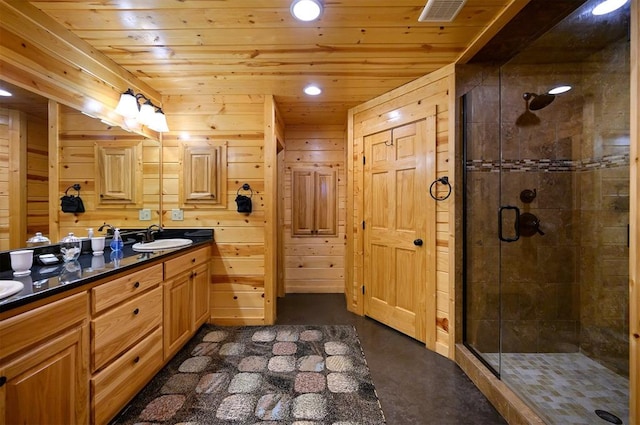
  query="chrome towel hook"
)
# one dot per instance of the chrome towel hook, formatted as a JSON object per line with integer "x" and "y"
{"x": 441, "y": 180}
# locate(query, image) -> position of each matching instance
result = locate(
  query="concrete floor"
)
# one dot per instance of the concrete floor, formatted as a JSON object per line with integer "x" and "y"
{"x": 415, "y": 385}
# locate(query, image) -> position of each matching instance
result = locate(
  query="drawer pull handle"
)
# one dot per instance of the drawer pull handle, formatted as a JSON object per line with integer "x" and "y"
{"x": 136, "y": 285}
{"x": 137, "y": 359}
{"x": 136, "y": 311}
{"x": 3, "y": 380}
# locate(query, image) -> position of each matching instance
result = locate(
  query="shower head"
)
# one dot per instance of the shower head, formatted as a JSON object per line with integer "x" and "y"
{"x": 538, "y": 101}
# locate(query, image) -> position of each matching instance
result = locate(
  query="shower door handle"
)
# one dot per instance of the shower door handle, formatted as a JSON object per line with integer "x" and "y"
{"x": 516, "y": 225}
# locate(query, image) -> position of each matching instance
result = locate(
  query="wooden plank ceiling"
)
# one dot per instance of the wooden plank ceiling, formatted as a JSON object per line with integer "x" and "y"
{"x": 358, "y": 49}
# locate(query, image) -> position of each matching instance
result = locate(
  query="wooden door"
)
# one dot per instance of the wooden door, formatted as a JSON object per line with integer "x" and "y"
{"x": 396, "y": 238}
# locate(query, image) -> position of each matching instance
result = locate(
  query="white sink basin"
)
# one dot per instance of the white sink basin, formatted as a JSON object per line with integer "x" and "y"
{"x": 10, "y": 287}
{"x": 161, "y": 244}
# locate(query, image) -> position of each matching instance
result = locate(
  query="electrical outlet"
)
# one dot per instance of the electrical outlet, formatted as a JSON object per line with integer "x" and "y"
{"x": 177, "y": 215}
{"x": 144, "y": 214}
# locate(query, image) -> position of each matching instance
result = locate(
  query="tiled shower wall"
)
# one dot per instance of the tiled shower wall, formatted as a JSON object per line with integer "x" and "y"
{"x": 563, "y": 291}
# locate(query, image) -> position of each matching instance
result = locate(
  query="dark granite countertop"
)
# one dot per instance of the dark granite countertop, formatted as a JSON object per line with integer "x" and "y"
{"x": 47, "y": 280}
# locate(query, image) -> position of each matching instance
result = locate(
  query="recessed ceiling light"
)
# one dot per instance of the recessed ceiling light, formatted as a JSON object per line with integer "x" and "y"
{"x": 608, "y": 6}
{"x": 559, "y": 89}
{"x": 306, "y": 10}
{"x": 5, "y": 93}
{"x": 312, "y": 90}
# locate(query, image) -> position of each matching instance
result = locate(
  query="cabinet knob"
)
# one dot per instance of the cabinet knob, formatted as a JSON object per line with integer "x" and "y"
{"x": 136, "y": 285}
{"x": 3, "y": 380}
{"x": 193, "y": 260}
{"x": 136, "y": 311}
{"x": 137, "y": 359}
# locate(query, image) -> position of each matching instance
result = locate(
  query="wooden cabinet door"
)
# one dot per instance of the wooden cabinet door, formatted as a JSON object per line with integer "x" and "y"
{"x": 314, "y": 202}
{"x": 48, "y": 384}
{"x": 325, "y": 203}
{"x": 204, "y": 175}
{"x": 303, "y": 203}
{"x": 119, "y": 173}
{"x": 200, "y": 307}
{"x": 177, "y": 313}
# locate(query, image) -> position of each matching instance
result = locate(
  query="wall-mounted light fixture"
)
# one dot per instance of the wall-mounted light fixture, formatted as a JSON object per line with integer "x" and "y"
{"x": 146, "y": 114}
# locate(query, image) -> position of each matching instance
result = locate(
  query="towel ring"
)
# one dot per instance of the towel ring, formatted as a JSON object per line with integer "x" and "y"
{"x": 443, "y": 180}
{"x": 245, "y": 187}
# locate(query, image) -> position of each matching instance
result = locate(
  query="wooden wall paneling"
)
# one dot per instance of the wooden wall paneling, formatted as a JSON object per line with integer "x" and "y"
{"x": 4, "y": 180}
{"x": 53, "y": 116}
{"x": 76, "y": 162}
{"x": 44, "y": 57}
{"x": 37, "y": 212}
{"x": 405, "y": 104}
{"x": 271, "y": 124}
{"x": 17, "y": 179}
{"x": 238, "y": 256}
{"x": 634, "y": 221}
{"x": 316, "y": 150}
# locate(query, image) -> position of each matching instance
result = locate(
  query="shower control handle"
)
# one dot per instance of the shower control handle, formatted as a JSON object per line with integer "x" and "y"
{"x": 417, "y": 242}
{"x": 516, "y": 224}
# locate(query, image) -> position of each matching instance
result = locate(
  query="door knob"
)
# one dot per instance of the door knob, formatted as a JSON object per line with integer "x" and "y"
{"x": 417, "y": 242}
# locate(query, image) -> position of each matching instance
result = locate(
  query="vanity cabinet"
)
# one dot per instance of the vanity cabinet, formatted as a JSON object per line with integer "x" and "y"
{"x": 126, "y": 339}
{"x": 43, "y": 364}
{"x": 186, "y": 298}
{"x": 82, "y": 358}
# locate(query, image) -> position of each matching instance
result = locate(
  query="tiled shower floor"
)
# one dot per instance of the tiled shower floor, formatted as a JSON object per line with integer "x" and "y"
{"x": 565, "y": 388}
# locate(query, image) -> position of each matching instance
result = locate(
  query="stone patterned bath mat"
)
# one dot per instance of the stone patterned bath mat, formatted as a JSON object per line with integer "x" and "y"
{"x": 276, "y": 375}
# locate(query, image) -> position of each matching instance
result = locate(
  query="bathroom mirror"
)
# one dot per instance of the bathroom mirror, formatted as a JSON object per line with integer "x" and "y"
{"x": 26, "y": 208}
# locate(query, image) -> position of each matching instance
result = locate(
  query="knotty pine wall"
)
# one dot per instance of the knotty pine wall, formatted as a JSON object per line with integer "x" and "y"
{"x": 315, "y": 263}
{"x": 77, "y": 137}
{"x": 436, "y": 89}
{"x": 5, "y": 226}
{"x": 238, "y": 263}
{"x": 24, "y": 208}
{"x": 37, "y": 176}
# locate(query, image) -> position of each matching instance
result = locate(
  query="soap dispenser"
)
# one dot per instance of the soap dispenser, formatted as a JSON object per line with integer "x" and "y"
{"x": 116, "y": 241}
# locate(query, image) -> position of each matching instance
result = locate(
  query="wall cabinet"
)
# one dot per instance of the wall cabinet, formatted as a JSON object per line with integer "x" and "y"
{"x": 118, "y": 173}
{"x": 43, "y": 364}
{"x": 314, "y": 202}
{"x": 203, "y": 175}
{"x": 186, "y": 303}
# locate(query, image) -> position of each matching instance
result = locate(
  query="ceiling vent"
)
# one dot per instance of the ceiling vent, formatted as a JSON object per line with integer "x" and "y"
{"x": 441, "y": 10}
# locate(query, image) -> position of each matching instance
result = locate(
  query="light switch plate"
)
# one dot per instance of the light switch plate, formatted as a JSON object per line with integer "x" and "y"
{"x": 144, "y": 214}
{"x": 177, "y": 215}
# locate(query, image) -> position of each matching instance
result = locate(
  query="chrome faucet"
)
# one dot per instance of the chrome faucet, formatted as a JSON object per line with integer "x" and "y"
{"x": 149, "y": 234}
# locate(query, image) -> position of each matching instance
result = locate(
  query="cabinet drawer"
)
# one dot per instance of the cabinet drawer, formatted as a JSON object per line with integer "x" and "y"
{"x": 185, "y": 262}
{"x": 36, "y": 325}
{"x": 119, "y": 289}
{"x": 121, "y": 327}
{"x": 113, "y": 387}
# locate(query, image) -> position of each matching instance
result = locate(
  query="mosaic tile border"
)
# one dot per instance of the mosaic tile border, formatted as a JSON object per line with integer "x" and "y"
{"x": 546, "y": 165}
